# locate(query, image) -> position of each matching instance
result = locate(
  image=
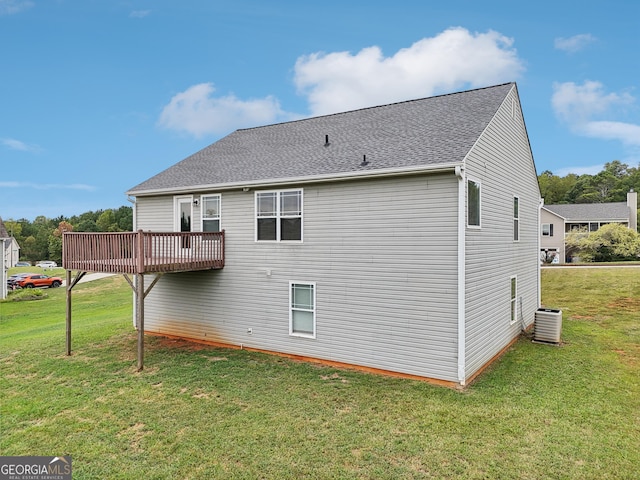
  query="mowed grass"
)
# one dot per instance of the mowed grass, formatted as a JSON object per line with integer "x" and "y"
{"x": 199, "y": 412}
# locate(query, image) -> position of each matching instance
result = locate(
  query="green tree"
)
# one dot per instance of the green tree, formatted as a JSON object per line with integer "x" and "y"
{"x": 124, "y": 218}
{"x": 55, "y": 249}
{"x": 86, "y": 225}
{"x": 553, "y": 188}
{"x": 573, "y": 241}
{"x": 55, "y": 240}
{"x": 107, "y": 222}
{"x": 28, "y": 249}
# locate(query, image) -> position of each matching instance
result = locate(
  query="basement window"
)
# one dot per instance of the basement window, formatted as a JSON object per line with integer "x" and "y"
{"x": 302, "y": 309}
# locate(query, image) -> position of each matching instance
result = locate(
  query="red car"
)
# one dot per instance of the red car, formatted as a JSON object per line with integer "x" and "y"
{"x": 38, "y": 280}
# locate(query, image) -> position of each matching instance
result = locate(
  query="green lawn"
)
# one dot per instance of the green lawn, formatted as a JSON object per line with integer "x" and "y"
{"x": 198, "y": 412}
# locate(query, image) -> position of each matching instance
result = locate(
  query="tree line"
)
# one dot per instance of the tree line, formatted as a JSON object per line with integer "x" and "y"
{"x": 42, "y": 238}
{"x": 609, "y": 185}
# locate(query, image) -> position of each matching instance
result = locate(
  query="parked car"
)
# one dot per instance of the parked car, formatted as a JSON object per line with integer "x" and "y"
{"x": 47, "y": 264}
{"x": 38, "y": 280}
{"x": 12, "y": 281}
{"x": 23, "y": 264}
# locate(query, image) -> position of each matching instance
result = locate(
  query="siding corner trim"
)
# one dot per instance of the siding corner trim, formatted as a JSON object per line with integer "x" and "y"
{"x": 462, "y": 182}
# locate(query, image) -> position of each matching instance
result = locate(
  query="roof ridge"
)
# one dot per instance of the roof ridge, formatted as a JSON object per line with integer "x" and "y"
{"x": 377, "y": 106}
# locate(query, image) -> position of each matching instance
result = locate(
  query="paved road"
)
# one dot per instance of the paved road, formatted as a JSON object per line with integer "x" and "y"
{"x": 91, "y": 276}
{"x": 568, "y": 265}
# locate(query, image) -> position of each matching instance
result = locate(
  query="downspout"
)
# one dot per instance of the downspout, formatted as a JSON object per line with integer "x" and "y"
{"x": 459, "y": 171}
{"x": 540, "y": 205}
{"x": 132, "y": 200}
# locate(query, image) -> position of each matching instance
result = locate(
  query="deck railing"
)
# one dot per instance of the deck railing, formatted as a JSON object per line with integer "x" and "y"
{"x": 142, "y": 252}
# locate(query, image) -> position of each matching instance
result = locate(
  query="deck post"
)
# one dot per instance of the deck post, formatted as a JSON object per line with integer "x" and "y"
{"x": 69, "y": 287}
{"x": 141, "y": 254}
{"x": 140, "y": 318}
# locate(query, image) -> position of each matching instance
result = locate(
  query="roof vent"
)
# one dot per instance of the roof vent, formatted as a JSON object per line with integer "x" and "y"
{"x": 326, "y": 141}
{"x": 364, "y": 161}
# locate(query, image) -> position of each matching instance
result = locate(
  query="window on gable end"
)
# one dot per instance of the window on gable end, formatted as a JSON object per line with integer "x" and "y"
{"x": 473, "y": 203}
{"x": 516, "y": 219}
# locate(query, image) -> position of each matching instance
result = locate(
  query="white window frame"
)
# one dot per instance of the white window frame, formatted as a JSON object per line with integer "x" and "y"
{"x": 513, "y": 304}
{"x": 479, "y": 184}
{"x": 516, "y": 218}
{"x": 278, "y": 216}
{"x": 293, "y": 309}
{"x": 549, "y": 229}
{"x": 203, "y": 216}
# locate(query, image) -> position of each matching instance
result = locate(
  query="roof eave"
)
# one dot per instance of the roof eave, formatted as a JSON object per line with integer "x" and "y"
{"x": 276, "y": 182}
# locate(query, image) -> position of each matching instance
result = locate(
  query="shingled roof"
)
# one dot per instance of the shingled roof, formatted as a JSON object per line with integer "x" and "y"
{"x": 591, "y": 211}
{"x": 3, "y": 230}
{"x": 427, "y": 133}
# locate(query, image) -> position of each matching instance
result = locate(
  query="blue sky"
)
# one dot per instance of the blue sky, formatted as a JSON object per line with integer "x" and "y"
{"x": 96, "y": 96}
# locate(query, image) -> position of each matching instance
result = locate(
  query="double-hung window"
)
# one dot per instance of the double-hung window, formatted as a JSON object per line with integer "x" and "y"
{"x": 473, "y": 203}
{"x": 302, "y": 309}
{"x": 279, "y": 216}
{"x": 210, "y": 213}
{"x": 547, "y": 229}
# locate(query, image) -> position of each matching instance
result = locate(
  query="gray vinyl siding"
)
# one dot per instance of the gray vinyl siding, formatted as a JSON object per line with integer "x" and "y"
{"x": 155, "y": 214}
{"x": 502, "y": 162}
{"x": 383, "y": 256}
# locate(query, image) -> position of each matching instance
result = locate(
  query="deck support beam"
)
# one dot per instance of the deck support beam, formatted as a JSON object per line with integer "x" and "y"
{"x": 140, "y": 318}
{"x": 136, "y": 254}
{"x": 69, "y": 285}
{"x": 140, "y": 294}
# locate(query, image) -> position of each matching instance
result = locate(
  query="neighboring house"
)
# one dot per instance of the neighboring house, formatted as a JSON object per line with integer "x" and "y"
{"x": 398, "y": 239}
{"x": 10, "y": 251}
{"x": 556, "y": 221}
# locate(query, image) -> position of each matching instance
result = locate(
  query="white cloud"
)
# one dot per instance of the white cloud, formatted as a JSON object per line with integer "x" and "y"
{"x": 627, "y": 133}
{"x": 575, "y": 43}
{"x": 580, "y": 170}
{"x": 11, "y": 7}
{"x": 197, "y": 112}
{"x": 587, "y": 110}
{"x": 14, "y": 144}
{"x": 578, "y": 103}
{"x": 453, "y": 59}
{"x": 140, "y": 13}
{"x": 340, "y": 81}
{"x": 48, "y": 186}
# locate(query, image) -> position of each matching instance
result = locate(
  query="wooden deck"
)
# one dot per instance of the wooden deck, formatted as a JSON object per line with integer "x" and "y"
{"x": 142, "y": 252}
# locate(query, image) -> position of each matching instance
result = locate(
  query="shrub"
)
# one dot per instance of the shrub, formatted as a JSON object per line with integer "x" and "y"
{"x": 25, "y": 294}
{"x": 611, "y": 242}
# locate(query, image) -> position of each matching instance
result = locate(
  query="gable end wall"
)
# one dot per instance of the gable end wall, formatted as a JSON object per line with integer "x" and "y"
{"x": 502, "y": 162}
